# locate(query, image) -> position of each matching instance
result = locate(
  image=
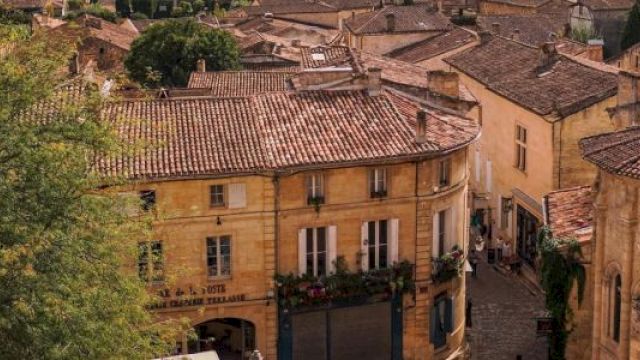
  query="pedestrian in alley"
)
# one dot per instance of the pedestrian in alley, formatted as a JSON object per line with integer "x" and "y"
{"x": 467, "y": 313}
{"x": 473, "y": 260}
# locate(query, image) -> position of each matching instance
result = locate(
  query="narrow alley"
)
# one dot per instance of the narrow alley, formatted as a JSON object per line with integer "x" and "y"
{"x": 503, "y": 317}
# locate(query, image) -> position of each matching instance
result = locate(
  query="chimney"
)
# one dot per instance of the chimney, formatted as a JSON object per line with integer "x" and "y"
{"x": 594, "y": 50}
{"x": 93, "y": 22}
{"x": 548, "y": 55}
{"x": 515, "y": 35}
{"x": 421, "y": 126}
{"x": 295, "y": 43}
{"x": 201, "y": 66}
{"x": 391, "y": 22}
{"x": 353, "y": 15}
{"x": 495, "y": 28}
{"x": 627, "y": 111}
{"x": 444, "y": 83}
{"x": 374, "y": 81}
{"x": 74, "y": 64}
{"x": 485, "y": 37}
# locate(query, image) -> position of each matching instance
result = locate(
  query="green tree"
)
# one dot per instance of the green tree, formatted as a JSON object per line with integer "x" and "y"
{"x": 66, "y": 288}
{"x": 166, "y": 53}
{"x": 631, "y": 33}
{"x": 560, "y": 271}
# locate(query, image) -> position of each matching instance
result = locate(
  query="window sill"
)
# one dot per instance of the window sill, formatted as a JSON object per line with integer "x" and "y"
{"x": 219, "y": 278}
{"x": 221, "y": 206}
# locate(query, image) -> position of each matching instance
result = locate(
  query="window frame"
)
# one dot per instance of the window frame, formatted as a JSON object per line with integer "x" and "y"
{"x": 442, "y": 231}
{"x": 521, "y": 138}
{"x": 313, "y": 252}
{"x": 505, "y": 212}
{"x": 616, "y": 308}
{"x": 152, "y": 261}
{"x": 378, "y": 182}
{"x": 445, "y": 167}
{"x": 218, "y": 256}
{"x": 148, "y": 199}
{"x": 375, "y": 244}
{"x": 315, "y": 188}
{"x": 222, "y": 194}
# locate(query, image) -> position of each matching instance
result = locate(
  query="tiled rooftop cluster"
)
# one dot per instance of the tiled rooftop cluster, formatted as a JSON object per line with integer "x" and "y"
{"x": 416, "y": 18}
{"x": 240, "y": 83}
{"x": 563, "y": 85}
{"x": 433, "y": 46}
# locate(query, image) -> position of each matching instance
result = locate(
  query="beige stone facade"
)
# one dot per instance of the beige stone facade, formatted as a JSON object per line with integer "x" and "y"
{"x": 264, "y": 235}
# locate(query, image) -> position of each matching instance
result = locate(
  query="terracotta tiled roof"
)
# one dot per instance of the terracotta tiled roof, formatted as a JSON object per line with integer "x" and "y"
{"x": 240, "y": 83}
{"x": 616, "y": 152}
{"x": 351, "y": 4}
{"x": 24, "y": 4}
{"x": 299, "y": 7}
{"x": 570, "y": 213}
{"x": 535, "y": 29}
{"x": 512, "y": 69}
{"x": 416, "y": 18}
{"x": 608, "y": 4}
{"x": 277, "y": 131}
{"x": 112, "y": 33}
{"x": 270, "y": 67}
{"x": 326, "y": 56}
{"x": 522, "y": 3}
{"x": 437, "y": 45}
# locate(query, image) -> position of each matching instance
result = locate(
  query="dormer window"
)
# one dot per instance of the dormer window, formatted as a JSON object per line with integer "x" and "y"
{"x": 378, "y": 182}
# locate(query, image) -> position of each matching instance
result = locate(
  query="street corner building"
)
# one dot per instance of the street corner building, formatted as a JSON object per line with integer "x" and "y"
{"x": 306, "y": 224}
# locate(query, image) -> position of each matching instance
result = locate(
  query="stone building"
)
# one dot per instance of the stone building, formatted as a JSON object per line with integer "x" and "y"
{"x": 535, "y": 106}
{"x": 628, "y": 60}
{"x": 303, "y": 181}
{"x": 99, "y": 42}
{"x": 394, "y": 27}
{"x": 616, "y": 325}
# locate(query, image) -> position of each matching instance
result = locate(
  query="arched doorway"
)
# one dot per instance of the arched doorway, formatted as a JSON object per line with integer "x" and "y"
{"x": 231, "y": 338}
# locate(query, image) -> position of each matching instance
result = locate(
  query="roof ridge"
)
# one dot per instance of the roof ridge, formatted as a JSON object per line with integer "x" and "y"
{"x": 569, "y": 189}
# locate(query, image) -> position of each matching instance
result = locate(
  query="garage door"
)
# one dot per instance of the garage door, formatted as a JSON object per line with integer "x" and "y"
{"x": 358, "y": 332}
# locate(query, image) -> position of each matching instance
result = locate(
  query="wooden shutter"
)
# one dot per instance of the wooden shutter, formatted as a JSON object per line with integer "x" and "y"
{"x": 302, "y": 251}
{"x": 392, "y": 254}
{"x": 237, "y": 196}
{"x": 332, "y": 249}
{"x": 364, "y": 247}
{"x": 448, "y": 315}
{"x": 435, "y": 246}
{"x": 433, "y": 329}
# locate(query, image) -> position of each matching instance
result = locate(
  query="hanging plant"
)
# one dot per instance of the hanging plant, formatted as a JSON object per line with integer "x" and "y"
{"x": 560, "y": 270}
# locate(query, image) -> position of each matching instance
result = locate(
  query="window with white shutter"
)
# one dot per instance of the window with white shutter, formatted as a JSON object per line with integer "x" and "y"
{"x": 317, "y": 250}
{"x": 378, "y": 182}
{"x": 315, "y": 189}
{"x": 380, "y": 244}
{"x": 237, "y": 196}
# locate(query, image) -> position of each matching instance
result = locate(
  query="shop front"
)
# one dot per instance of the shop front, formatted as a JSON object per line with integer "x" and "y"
{"x": 527, "y": 226}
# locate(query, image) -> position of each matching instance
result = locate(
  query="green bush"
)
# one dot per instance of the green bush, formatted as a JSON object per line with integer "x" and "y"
{"x": 94, "y": 10}
{"x": 139, "y": 16}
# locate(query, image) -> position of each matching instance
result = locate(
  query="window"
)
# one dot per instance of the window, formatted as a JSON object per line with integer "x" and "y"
{"x": 378, "y": 182}
{"x": 521, "y": 148}
{"x": 442, "y": 232}
{"x": 379, "y": 247}
{"x": 150, "y": 261}
{"x": 216, "y": 195}
{"x": 506, "y": 205}
{"x": 617, "y": 307}
{"x": 441, "y": 318}
{"x": 444, "y": 172}
{"x": 315, "y": 189}
{"x": 147, "y": 199}
{"x": 316, "y": 251}
{"x": 219, "y": 256}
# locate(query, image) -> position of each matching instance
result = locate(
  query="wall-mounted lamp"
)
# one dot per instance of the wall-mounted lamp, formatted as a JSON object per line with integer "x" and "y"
{"x": 219, "y": 221}
{"x": 270, "y": 296}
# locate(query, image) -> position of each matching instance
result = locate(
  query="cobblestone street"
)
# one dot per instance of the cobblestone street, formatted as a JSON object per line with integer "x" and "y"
{"x": 504, "y": 313}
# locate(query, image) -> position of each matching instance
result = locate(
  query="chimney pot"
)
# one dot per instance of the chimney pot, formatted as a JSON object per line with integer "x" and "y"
{"x": 595, "y": 50}
{"x": 495, "y": 28}
{"x": 391, "y": 22}
{"x": 516, "y": 35}
{"x": 374, "y": 81}
{"x": 295, "y": 42}
{"x": 485, "y": 37}
{"x": 548, "y": 55}
{"x": 201, "y": 65}
{"x": 421, "y": 126}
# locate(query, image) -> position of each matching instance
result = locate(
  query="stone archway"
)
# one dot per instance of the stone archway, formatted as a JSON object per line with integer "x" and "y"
{"x": 232, "y": 338}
